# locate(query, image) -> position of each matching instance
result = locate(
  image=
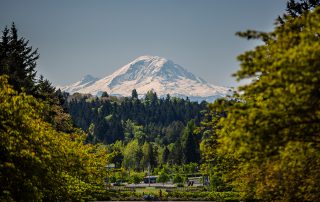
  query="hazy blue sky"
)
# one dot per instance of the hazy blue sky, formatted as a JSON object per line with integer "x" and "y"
{"x": 98, "y": 36}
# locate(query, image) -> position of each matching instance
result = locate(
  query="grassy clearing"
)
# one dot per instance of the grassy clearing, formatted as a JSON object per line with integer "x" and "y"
{"x": 151, "y": 190}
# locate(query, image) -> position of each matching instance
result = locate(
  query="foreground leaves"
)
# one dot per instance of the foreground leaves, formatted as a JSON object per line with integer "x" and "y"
{"x": 274, "y": 132}
{"x": 38, "y": 163}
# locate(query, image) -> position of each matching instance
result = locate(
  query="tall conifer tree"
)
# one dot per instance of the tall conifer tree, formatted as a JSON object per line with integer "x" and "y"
{"x": 18, "y": 60}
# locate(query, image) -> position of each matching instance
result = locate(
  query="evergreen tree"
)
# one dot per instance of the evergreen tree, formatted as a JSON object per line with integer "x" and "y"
{"x": 173, "y": 131}
{"x": 297, "y": 8}
{"x": 165, "y": 155}
{"x": 151, "y": 97}
{"x": 55, "y": 113}
{"x": 176, "y": 154}
{"x": 189, "y": 144}
{"x": 18, "y": 60}
{"x": 134, "y": 94}
{"x": 105, "y": 94}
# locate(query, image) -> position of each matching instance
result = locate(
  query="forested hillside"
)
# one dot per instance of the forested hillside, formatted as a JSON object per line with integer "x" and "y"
{"x": 166, "y": 123}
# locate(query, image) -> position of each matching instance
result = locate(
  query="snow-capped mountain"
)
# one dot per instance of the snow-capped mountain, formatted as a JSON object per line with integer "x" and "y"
{"x": 150, "y": 73}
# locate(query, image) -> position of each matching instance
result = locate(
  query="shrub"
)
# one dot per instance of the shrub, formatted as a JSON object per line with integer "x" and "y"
{"x": 180, "y": 185}
{"x": 211, "y": 196}
{"x": 177, "y": 179}
{"x": 136, "y": 178}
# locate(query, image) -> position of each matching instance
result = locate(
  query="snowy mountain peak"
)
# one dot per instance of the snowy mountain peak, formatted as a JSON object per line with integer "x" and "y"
{"x": 149, "y": 57}
{"x": 150, "y": 73}
{"x": 150, "y": 68}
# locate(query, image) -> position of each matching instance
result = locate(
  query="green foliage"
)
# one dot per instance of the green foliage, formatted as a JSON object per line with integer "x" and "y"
{"x": 125, "y": 196}
{"x": 105, "y": 95}
{"x": 190, "y": 146}
{"x": 158, "y": 125}
{"x": 190, "y": 168}
{"x": 116, "y": 153}
{"x": 180, "y": 185}
{"x": 297, "y": 8}
{"x": 136, "y": 178}
{"x": 176, "y": 154}
{"x": 215, "y": 165}
{"x": 132, "y": 155}
{"x": 165, "y": 155}
{"x": 39, "y": 163}
{"x": 18, "y": 60}
{"x": 134, "y": 94}
{"x": 204, "y": 196}
{"x": 150, "y": 119}
{"x": 274, "y": 131}
{"x": 163, "y": 176}
{"x": 178, "y": 179}
{"x": 151, "y": 97}
{"x": 148, "y": 158}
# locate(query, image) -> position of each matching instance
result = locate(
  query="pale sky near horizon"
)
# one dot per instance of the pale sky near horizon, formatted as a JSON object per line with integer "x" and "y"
{"x": 79, "y": 37}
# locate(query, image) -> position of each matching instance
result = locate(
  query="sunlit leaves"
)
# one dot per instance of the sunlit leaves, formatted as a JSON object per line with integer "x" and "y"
{"x": 38, "y": 163}
{"x": 274, "y": 131}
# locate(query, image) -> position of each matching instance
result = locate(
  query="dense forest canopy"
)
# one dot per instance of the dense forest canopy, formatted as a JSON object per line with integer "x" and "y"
{"x": 163, "y": 123}
{"x": 110, "y": 115}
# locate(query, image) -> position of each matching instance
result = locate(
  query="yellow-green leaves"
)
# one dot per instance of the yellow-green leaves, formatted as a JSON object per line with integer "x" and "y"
{"x": 274, "y": 132}
{"x": 37, "y": 162}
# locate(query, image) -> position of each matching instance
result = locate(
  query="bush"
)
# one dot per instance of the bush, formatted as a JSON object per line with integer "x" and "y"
{"x": 126, "y": 196}
{"x": 136, "y": 178}
{"x": 112, "y": 179}
{"x": 211, "y": 196}
{"x": 180, "y": 185}
{"x": 177, "y": 179}
{"x": 163, "y": 177}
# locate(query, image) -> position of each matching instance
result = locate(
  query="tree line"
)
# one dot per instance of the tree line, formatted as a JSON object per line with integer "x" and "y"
{"x": 149, "y": 130}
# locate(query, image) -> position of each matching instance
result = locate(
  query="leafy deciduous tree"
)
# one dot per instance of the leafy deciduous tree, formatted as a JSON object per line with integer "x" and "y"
{"x": 274, "y": 131}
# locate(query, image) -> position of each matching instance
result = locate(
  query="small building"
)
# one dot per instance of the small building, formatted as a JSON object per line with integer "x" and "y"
{"x": 153, "y": 179}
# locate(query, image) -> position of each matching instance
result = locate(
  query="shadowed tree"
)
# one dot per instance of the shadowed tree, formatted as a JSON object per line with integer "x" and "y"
{"x": 189, "y": 144}
{"x": 18, "y": 60}
{"x": 134, "y": 94}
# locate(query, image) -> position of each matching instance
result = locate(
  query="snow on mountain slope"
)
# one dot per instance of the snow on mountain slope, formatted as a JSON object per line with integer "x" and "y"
{"x": 150, "y": 73}
{"x": 86, "y": 81}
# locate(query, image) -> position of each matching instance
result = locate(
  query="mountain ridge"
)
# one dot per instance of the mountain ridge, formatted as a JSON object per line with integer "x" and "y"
{"x": 150, "y": 73}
